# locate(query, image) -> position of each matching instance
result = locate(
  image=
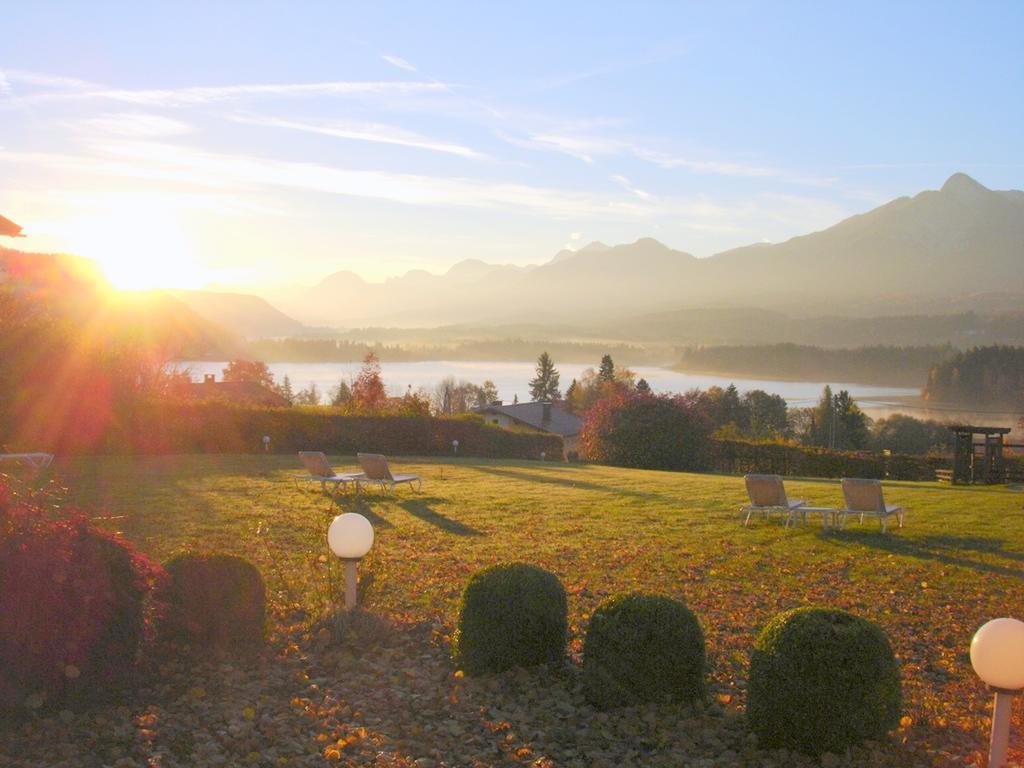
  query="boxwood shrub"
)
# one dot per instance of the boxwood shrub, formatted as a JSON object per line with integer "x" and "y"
{"x": 822, "y": 680}
{"x": 512, "y": 615}
{"x": 214, "y": 602}
{"x": 643, "y": 648}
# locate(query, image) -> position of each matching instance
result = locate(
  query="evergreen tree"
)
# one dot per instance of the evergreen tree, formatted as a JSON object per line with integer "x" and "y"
{"x": 285, "y": 390}
{"x": 851, "y": 423}
{"x": 341, "y": 394}
{"x": 545, "y": 385}
{"x": 643, "y": 387}
{"x": 606, "y": 373}
{"x": 822, "y": 427}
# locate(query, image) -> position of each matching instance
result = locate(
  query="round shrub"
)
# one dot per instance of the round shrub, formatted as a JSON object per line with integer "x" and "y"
{"x": 74, "y": 608}
{"x": 512, "y": 615}
{"x": 646, "y": 431}
{"x": 822, "y": 680}
{"x": 643, "y": 648}
{"x": 215, "y": 602}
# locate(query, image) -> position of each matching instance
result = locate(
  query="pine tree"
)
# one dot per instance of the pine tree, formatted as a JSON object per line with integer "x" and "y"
{"x": 643, "y": 387}
{"x": 545, "y": 386}
{"x": 341, "y": 394}
{"x": 285, "y": 390}
{"x": 606, "y": 373}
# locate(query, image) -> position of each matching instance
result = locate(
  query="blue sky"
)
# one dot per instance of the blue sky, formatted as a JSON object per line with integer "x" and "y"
{"x": 259, "y": 143}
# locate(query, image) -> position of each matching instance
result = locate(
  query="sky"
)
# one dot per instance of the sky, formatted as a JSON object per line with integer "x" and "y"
{"x": 258, "y": 144}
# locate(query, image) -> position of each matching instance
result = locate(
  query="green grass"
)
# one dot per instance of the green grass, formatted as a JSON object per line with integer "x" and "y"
{"x": 957, "y": 563}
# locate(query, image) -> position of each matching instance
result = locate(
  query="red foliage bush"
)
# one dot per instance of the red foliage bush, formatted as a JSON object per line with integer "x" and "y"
{"x": 646, "y": 431}
{"x": 73, "y": 606}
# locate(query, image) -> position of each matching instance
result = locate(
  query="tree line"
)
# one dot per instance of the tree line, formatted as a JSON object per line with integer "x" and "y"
{"x": 982, "y": 376}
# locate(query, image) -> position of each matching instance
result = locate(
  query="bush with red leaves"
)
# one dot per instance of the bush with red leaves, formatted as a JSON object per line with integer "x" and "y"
{"x": 646, "y": 431}
{"x": 74, "y": 606}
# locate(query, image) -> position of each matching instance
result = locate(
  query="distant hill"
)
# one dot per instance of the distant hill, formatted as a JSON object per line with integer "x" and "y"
{"x": 907, "y": 256}
{"x": 247, "y": 316}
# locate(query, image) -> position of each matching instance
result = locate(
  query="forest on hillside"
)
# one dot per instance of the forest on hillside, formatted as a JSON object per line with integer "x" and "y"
{"x": 989, "y": 376}
{"x": 876, "y": 365}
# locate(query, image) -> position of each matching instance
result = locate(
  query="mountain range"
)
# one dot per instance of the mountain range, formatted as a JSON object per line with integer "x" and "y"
{"x": 962, "y": 242}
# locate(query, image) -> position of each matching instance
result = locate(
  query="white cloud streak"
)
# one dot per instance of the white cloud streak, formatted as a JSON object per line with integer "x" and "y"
{"x": 398, "y": 61}
{"x": 372, "y": 132}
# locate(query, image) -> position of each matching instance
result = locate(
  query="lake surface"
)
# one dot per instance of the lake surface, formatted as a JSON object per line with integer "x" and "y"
{"x": 512, "y": 379}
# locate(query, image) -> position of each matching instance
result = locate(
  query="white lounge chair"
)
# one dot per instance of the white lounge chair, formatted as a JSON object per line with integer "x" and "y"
{"x": 376, "y": 470}
{"x": 768, "y": 494}
{"x": 321, "y": 471}
{"x": 864, "y": 497}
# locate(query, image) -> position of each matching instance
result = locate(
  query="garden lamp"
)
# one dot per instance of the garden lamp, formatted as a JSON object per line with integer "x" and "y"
{"x": 455, "y": 447}
{"x": 350, "y": 537}
{"x": 997, "y": 655}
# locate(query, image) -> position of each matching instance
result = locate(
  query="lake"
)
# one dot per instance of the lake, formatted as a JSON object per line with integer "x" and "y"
{"x": 512, "y": 379}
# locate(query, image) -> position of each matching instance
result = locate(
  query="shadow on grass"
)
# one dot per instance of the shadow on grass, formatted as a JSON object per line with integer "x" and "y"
{"x": 533, "y": 477}
{"x": 363, "y": 505}
{"x": 421, "y": 507}
{"x": 951, "y": 550}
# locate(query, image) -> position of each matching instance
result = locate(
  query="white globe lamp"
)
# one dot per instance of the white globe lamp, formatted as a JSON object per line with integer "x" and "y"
{"x": 997, "y": 655}
{"x": 350, "y": 537}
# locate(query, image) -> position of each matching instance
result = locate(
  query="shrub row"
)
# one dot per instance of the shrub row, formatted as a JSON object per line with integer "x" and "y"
{"x": 738, "y": 457}
{"x": 79, "y": 608}
{"x": 160, "y": 428}
{"x": 821, "y": 680}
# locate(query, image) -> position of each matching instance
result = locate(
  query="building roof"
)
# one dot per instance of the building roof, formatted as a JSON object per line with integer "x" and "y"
{"x": 532, "y": 415}
{"x": 9, "y": 228}
{"x": 247, "y": 392}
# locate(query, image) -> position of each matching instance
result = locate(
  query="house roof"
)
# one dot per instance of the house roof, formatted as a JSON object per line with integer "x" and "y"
{"x": 235, "y": 392}
{"x": 9, "y": 228}
{"x": 532, "y": 415}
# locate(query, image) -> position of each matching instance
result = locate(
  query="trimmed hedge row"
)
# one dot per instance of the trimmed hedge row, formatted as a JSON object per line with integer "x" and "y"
{"x": 738, "y": 457}
{"x": 222, "y": 428}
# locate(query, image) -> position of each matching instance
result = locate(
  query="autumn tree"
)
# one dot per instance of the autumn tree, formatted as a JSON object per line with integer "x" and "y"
{"x": 249, "y": 370}
{"x": 368, "y": 394}
{"x": 308, "y": 396}
{"x": 544, "y": 387}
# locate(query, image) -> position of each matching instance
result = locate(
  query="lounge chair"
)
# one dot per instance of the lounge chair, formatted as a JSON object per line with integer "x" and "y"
{"x": 376, "y": 470}
{"x": 864, "y": 497}
{"x": 321, "y": 471}
{"x": 767, "y": 494}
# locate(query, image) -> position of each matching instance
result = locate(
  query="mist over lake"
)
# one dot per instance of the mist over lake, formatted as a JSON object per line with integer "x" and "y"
{"x": 512, "y": 379}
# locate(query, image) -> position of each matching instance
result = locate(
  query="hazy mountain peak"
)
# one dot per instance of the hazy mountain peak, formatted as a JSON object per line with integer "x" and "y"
{"x": 960, "y": 182}
{"x": 649, "y": 243}
{"x": 594, "y": 247}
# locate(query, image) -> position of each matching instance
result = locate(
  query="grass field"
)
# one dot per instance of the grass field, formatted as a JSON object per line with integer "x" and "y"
{"x": 956, "y": 564}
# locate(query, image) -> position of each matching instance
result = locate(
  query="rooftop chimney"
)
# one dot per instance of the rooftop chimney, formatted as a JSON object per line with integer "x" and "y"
{"x": 209, "y": 378}
{"x": 497, "y": 403}
{"x": 546, "y": 406}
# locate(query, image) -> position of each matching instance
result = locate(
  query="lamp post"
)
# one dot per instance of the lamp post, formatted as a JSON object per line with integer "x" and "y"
{"x": 455, "y": 447}
{"x": 997, "y": 655}
{"x": 350, "y": 537}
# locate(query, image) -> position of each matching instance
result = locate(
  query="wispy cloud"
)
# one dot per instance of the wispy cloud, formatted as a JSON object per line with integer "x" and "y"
{"x": 399, "y": 62}
{"x": 48, "y": 88}
{"x": 357, "y": 131}
{"x": 618, "y": 178}
{"x": 136, "y": 125}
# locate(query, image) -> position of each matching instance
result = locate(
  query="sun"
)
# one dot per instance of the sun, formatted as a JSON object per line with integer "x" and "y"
{"x": 138, "y": 248}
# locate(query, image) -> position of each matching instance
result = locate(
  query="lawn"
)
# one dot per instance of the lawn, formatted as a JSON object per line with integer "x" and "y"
{"x": 389, "y": 695}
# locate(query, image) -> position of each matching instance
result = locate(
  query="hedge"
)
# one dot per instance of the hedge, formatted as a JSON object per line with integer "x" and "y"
{"x": 738, "y": 457}
{"x": 162, "y": 428}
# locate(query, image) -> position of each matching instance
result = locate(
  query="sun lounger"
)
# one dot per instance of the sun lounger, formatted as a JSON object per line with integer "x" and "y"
{"x": 864, "y": 497}
{"x": 376, "y": 470}
{"x": 321, "y": 471}
{"x": 768, "y": 494}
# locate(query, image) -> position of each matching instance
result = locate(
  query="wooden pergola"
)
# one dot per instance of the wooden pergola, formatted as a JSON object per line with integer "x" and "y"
{"x": 987, "y": 467}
